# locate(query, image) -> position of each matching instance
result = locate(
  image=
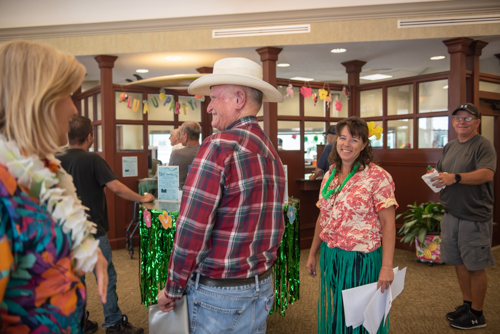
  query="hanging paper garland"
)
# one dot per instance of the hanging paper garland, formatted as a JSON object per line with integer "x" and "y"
{"x": 168, "y": 99}
{"x": 200, "y": 98}
{"x": 322, "y": 94}
{"x": 136, "y": 105}
{"x": 184, "y": 108}
{"x": 177, "y": 107}
{"x": 346, "y": 91}
{"x": 123, "y": 97}
{"x": 162, "y": 94}
{"x": 338, "y": 105}
{"x": 328, "y": 99}
{"x": 129, "y": 104}
{"x": 154, "y": 101}
{"x": 191, "y": 104}
{"x": 146, "y": 108}
{"x": 194, "y": 102}
{"x": 289, "y": 91}
{"x": 305, "y": 91}
{"x": 315, "y": 99}
{"x": 172, "y": 106}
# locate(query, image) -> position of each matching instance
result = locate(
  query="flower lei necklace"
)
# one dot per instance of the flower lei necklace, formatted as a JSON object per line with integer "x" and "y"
{"x": 326, "y": 194}
{"x": 57, "y": 192}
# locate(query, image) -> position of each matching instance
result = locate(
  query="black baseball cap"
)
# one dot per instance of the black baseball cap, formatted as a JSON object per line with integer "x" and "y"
{"x": 469, "y": 107}
{"x": 331, "y": 130}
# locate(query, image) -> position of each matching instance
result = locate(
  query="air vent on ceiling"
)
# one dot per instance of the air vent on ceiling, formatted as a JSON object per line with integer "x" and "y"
{"x": 448, "y": 21}
{"x": 260, "y": 31}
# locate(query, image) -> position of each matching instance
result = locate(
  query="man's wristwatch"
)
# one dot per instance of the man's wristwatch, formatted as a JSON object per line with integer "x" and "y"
{"x": 458, "y": 178}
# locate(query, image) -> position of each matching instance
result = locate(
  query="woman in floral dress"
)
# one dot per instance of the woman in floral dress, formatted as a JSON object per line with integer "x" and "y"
{"x": 46, "y": 242}
{"x": 357, "y": 211}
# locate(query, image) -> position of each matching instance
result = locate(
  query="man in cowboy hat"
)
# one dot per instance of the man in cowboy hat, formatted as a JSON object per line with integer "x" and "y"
{"x": 230, "y": 222}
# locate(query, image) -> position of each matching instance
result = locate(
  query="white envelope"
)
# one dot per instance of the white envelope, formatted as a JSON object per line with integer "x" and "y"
{"x": 427, "y": 179}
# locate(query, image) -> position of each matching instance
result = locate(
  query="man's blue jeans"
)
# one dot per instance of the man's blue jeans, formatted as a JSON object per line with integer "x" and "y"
{"x": 112, "y": 313}
{"x": 241, "y": 309}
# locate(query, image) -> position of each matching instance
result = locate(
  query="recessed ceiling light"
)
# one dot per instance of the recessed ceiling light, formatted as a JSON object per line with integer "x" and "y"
{"x": 301, "y": 79}
{"x": 339, "y": 50}
{"x": 445, "y": 87}
{"x": 142, "y": 70}
{"x": 437, "y": 57}
{"x": 373, "y": 77}
{"x": 173, "y": 58}
{"x": 283, "y": 65}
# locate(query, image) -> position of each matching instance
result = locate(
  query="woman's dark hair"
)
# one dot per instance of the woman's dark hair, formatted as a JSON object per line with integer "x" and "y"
{"x": 357, "y": 128}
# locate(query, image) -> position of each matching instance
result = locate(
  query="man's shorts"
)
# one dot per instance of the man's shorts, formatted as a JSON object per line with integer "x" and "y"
{"x": 466, "y": 242}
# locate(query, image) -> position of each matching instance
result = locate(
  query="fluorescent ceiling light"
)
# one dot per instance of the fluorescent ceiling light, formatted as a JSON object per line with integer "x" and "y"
{"x": 173, "y": 58}
{"x": 283, "y": 65}
{"x": 142, "y": 70}
{"x": 339, "y": 50}
{"x": 301, "y": 79}
{"x": 373, "y": 77}
{"x": 437, "y": 57}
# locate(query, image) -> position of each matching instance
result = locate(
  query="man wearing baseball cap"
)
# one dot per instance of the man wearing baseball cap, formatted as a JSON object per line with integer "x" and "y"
{"x": 323, "y": 164}
{"x": 230, "y": 223}
{"x": 467, "y": 168}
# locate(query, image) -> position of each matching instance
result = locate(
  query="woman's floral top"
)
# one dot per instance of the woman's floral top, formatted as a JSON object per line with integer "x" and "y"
{"x": 350, "y": 220}
{"x": 39, "y": 289}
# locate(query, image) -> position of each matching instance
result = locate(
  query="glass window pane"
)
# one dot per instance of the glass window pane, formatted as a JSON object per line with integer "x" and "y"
{"x": 400, "y": 100}
{"x": 82, "y": 107}
{"x": 489, "y": 87}
{"x": 99, "y": 139}
{"x": 129, "y": 137}
{"x": 378, "y": 143}
{"x": 159, "y": 137}
{"x": 314, "y": 109}
{"x": 313, "y": 135}
{"x": 488, "y": 127}
{"x": 90, "y": 113}
{"x": 338, "y": 109}
{"x": 291, "y": 105}
{"x": 190, "y": 109}
{"x": 400, "y": 133}
{"x": 289, "y": 132}
{"x": 131, "y": 106}
{"x": 160, "y": 110}
{"x": 433, "y": 96}
{"x": 99, "y": 111}
{"x": 371, "y": 103}
{"x": 432, "y": 132}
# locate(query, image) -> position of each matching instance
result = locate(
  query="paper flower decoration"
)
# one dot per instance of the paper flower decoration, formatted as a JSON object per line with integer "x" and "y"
{"x": 147, "y": 218}
{"x": 323, "y": 93}
{"x": 289, "y": 91}
{"x": 200, "y": 98}
{"x": 338, "y": 105}
{"x": 305, "y": 91}
{"x": 374, "y": 130}
{"x": 166, "y": 220}
{"x": 291, "y": 214}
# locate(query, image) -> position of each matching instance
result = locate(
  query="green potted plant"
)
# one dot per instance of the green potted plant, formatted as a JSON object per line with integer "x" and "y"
{"x": 422, "y": 223}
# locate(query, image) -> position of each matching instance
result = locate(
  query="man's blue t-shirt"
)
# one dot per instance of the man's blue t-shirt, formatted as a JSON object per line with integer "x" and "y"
{"x": 323, "y": 160}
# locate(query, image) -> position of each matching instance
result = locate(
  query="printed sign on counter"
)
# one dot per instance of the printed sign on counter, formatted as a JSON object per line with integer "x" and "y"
{"x": 168, "y": 183}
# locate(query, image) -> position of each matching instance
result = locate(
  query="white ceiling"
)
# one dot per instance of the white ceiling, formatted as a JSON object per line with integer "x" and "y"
{"x": 397, "y": 58}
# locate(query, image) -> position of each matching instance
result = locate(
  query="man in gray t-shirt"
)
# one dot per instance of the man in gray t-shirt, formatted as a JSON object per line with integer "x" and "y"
{"x": 190, "y": 137}
{"x": 467, "y": 168}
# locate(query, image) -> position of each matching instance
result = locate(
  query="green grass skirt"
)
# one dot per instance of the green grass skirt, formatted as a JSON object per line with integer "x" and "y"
{"x": 342, "y": 270}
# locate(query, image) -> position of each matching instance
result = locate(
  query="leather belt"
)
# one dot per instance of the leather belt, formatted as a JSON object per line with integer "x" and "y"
{"x": 228, "y": 282}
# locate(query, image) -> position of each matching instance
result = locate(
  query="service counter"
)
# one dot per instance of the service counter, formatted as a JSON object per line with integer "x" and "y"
{"x": 157, "y": 231}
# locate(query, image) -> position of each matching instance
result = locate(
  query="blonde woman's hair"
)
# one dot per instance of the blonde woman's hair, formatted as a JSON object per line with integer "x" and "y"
{"x": 33, "y": 78}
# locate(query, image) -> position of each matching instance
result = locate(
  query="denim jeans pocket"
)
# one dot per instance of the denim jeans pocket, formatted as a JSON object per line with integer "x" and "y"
{"x": 225, "y": 318}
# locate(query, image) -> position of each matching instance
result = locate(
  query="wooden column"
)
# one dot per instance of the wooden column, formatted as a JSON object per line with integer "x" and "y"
{"x": 106, "y": 64}
{"x": 472, "y": 64}
{"x": 353, "y": 69}
{"x": 206, "y": 118}
{"x": 269, "y": 56}
{"x": 457, "y": 48}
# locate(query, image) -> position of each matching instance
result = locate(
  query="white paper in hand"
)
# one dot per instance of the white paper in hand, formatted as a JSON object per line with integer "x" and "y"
{"x": 427, "y": 179}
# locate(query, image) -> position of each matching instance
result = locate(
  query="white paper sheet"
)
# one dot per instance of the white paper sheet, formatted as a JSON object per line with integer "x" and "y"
{"x": 368, "y": 306}
{"x": 427, "y": 179}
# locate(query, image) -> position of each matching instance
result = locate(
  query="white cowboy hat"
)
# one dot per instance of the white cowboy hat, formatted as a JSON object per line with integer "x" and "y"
{"x": 236, "y": 71}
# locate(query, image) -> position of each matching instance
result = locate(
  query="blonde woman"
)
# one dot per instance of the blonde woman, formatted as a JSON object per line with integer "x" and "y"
{"x": 46, "y": 242}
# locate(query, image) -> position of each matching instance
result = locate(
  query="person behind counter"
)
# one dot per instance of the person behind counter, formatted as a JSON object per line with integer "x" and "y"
{"x": 46, "y": 241}
{"x": 357, "y": 214}
{"x": 91, "y": 174}
{"x": 323, "y": 164}
{"x": 190, "y": 138}
{"x": 221, "y": 236}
